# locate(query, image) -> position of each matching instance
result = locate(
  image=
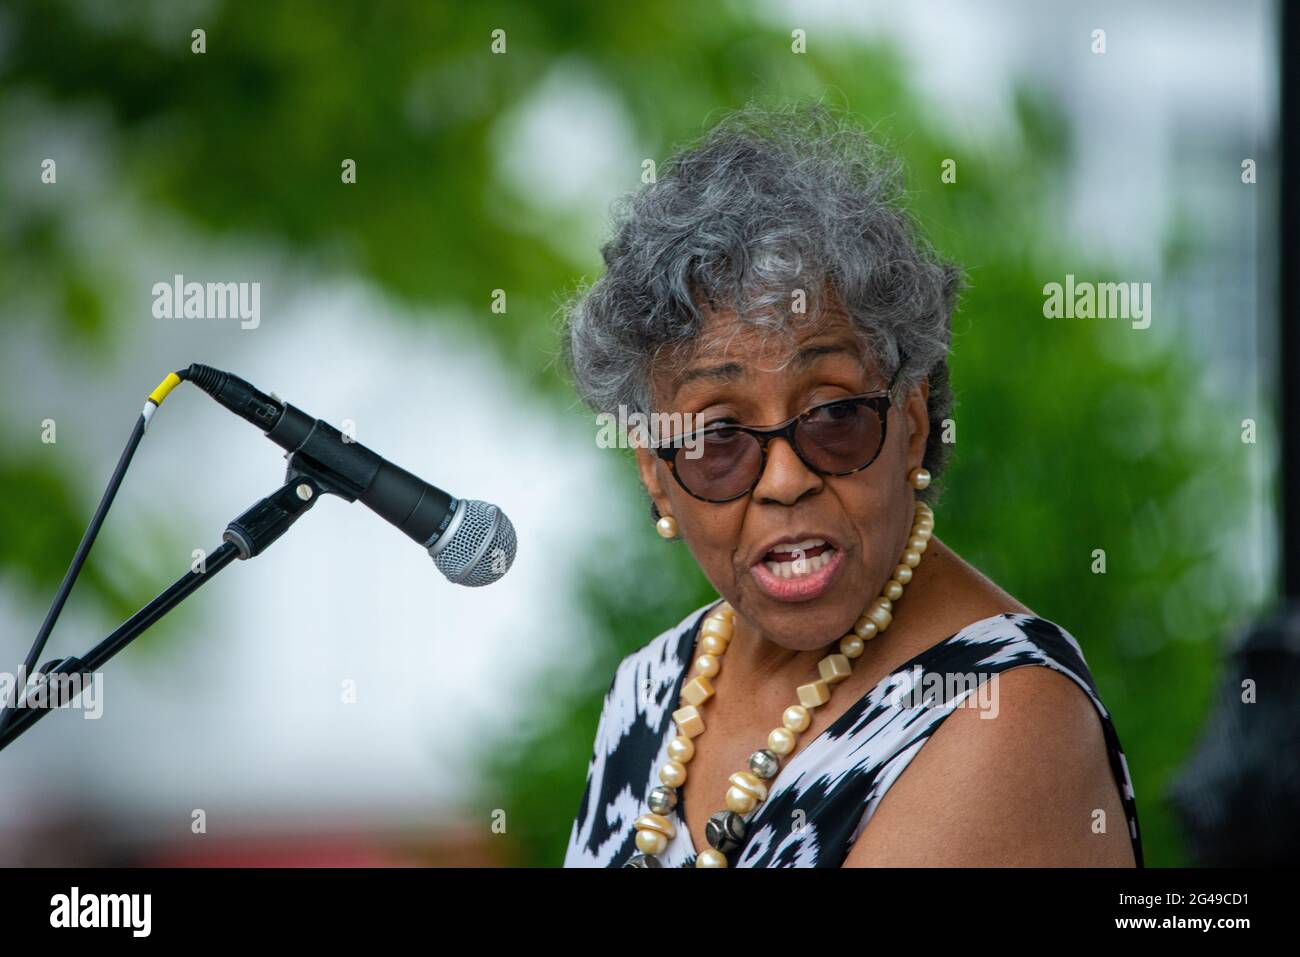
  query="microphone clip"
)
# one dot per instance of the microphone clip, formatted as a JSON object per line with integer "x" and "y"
{"x": 305, "y": 480}
{"x": 329, "y": 481}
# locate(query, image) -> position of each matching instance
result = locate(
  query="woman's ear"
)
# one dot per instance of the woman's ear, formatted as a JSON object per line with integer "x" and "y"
{"x": 647, "y": 464}
{"x": 916, "y": 410}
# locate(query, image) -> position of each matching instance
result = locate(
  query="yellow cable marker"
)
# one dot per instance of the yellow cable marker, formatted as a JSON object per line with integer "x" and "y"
{"x": 158, "y": 394}
{"x": 164, "y": 387}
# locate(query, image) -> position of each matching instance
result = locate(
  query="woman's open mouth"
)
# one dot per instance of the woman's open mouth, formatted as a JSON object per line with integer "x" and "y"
{"x": 797, "y": 571}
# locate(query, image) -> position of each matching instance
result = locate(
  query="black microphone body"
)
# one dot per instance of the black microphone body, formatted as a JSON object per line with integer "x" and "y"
{"x": 420, "y": 510}
{"x": 425, "y": 513}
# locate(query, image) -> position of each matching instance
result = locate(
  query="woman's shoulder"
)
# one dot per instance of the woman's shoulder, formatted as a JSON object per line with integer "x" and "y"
{"x": 1044, "y": 783}
{"x": 1021, "y": 633}
{"x": 1008, "y": 640}
{"x": 629, "y": 735}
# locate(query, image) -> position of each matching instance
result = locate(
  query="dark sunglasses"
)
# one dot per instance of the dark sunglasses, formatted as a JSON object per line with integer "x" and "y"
{"x": 837, "y": 437}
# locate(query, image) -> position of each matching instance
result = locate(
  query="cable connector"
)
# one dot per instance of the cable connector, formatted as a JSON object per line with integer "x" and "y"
{"x": 238, "y": 396}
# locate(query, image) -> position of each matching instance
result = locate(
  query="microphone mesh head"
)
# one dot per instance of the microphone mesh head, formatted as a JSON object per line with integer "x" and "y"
{"x": 479, "y": 548}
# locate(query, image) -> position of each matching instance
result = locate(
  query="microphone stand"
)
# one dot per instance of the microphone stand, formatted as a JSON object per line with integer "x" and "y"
{"x": 246, "y": 537}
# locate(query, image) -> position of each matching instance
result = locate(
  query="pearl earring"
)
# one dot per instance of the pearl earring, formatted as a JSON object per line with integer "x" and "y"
{"x": 667, "y": 527}
{"x": 919, "y": 478}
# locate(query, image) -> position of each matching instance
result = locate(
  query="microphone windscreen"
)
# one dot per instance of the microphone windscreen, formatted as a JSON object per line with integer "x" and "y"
{"x": 478, "y": 546}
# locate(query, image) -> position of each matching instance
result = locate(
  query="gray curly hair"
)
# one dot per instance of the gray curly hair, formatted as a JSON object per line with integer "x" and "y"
{"x": 770, "y": 203}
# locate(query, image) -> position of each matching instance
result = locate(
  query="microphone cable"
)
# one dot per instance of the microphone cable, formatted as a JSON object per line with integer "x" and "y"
{"x": 151, "y": 404}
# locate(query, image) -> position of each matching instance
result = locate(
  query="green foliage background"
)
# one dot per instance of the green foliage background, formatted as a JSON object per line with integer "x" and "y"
{"x": 1072, "y": 435}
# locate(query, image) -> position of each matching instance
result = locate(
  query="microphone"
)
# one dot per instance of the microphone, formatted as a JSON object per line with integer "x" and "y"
{"x": 471, "y": 542}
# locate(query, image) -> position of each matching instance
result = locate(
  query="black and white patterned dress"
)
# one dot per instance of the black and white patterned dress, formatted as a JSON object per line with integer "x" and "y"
{"x": 839, "y": 778}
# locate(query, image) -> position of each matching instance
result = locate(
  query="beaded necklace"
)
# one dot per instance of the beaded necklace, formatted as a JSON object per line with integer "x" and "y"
{"x": 725, "y": 830}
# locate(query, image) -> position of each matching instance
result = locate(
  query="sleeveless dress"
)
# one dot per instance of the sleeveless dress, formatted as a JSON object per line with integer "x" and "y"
{"x": 839, "y": 778}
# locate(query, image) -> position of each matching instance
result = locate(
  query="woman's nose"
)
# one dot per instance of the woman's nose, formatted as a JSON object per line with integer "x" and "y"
{"x": 785, "y": 478}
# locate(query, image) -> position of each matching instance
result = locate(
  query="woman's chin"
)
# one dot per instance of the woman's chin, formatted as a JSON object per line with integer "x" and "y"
{"x": 797, "y": 631}
{"x": 809, "y": 624}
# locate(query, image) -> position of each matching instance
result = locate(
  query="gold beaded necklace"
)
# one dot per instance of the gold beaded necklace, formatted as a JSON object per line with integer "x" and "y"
{"x": 725, "y": 830}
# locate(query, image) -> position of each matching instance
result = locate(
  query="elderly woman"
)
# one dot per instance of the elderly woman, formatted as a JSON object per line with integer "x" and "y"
{"x": 859, "y": 695}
